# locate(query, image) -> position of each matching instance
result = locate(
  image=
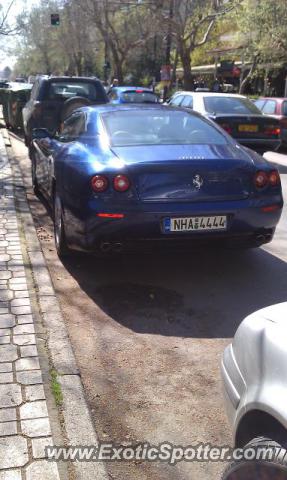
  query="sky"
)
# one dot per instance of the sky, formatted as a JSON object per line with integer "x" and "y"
{"x": 17, "y": 7}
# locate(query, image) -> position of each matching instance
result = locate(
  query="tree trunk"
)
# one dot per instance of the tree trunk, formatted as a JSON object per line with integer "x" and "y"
{"x": 118, "y": 63}
{"x": 118, "y": 70}
{"x": 46, "y": 61}
{"x": 187, "y": 76}
{"x": 79, "y": 64}
{"x": 174, "y": 67}
{"x": 246, "y": 80}
{"x": 186, "y": 65}
{"x": 266, "y": 84}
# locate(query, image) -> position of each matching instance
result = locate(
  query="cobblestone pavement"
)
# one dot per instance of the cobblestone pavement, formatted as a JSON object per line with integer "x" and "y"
{"x": 24, "y": 423}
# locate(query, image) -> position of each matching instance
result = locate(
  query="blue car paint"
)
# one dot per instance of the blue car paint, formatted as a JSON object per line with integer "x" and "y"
{"x": 145, "y": 214}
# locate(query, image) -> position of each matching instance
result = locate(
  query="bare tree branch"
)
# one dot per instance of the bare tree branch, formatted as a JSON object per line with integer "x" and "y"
{"x": 206, "y": 34}
{"x": 4, "y": 30}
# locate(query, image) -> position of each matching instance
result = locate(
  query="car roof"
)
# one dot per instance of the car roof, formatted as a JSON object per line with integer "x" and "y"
{"x": 107, "y": 107}
{"x": 209, "y": 94}
{"x": 17, "y": 86}
{"x": 122, "y": 88}
{"x": 279, "y": 99}
{"x": 69, "y": 79}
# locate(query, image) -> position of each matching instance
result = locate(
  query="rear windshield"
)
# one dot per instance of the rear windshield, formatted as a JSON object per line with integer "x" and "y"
{"x": 233, "y": 105}
{"x": 138, "y": 96}
{"x": 160, "y": 127}
{"x": 64, "y": 90}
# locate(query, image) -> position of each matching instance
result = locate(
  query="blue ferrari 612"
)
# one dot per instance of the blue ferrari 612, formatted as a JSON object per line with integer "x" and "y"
{"x": 129, "y": 176}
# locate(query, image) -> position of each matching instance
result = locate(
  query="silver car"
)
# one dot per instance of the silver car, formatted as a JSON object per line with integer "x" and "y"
{"x": 255, "y": 387}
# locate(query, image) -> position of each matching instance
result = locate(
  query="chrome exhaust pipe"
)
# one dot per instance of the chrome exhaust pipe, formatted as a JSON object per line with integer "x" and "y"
{"x": 117, "y": 247}
{"x": 105, "y": 247}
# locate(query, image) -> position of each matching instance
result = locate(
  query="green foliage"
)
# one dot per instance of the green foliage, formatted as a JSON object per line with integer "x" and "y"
{"x": 133, "y": 36}
{"x": 56, "y": 388}
{"x": 262, "y": 28}
{"x": 69, "y": 48}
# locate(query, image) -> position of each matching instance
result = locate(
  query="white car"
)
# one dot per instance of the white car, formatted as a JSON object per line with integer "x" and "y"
{"x": 236, "y": 114}
{"x": 255, "y": 388}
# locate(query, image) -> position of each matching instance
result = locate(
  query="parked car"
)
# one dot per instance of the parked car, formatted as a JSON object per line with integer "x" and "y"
{"x": 14, "y": 99}
{"x": 276, "y": 108}
{"x": 236, "y": 114}
{"x": 53, "y": 99}
{"x": 255, "y": 388}
{"x": 132, "y": 95}
{"x": 123, "y": 176}
{"x": 4, "y": 84}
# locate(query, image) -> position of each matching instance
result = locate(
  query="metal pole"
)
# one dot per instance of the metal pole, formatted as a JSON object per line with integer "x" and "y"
{"x": 168, "y": 45}
{"x": 106, "y": 72}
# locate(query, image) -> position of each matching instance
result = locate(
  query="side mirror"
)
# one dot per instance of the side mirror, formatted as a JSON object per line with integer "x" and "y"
{"x": 38, "y": 133}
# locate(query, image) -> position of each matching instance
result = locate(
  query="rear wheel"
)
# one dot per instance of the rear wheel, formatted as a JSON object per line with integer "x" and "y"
{"x": 265, "y": 458}
{"x": 59, "y": 228}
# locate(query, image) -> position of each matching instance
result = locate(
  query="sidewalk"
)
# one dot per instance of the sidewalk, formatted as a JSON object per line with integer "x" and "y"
{"x": 34, "y": 341}
{"x": 24, "y": 424}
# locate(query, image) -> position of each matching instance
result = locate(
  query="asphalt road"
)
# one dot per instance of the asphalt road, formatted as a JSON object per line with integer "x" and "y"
{"x": 148, "y": 333}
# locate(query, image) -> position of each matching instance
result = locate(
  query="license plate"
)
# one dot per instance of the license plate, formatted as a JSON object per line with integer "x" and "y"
{"x": 248, "y": 128}
{"x": 192, "y": 224}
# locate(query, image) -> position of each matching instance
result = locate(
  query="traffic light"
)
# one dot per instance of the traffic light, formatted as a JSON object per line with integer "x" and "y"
{"x": 55, "y": 19}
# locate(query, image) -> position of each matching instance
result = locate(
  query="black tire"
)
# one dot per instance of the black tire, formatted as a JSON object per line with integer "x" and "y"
{"x": 272, "y": 467}
{"x": 59, "y": 229}
{"x": 35, "y": 184}
{"x": 72, "y": 104}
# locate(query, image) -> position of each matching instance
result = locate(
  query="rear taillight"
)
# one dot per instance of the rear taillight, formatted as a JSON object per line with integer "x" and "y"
{"x": 261, "y": 180}
{"x": 272, "y": 130}
{"x": 227, "y": 128}
{"x": 99, "y": 183}
{"x": 274, "y": 178}
{"x": 121, "y": 183}
{"x": 264, "y": 179}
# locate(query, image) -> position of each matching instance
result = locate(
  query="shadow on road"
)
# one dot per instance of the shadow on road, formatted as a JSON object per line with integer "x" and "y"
{"x": 205, "y": 295}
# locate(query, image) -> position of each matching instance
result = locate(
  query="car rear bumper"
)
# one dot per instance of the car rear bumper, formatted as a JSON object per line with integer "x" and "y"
{"x": 260, "y": 143}
{"x": 247, "y": 224}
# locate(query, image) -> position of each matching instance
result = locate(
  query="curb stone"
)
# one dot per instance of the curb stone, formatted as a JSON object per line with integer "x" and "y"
{"x": 78, "y": 425}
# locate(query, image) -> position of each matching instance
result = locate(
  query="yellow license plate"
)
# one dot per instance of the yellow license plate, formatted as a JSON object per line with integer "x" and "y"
{"x": 248, "y": 128}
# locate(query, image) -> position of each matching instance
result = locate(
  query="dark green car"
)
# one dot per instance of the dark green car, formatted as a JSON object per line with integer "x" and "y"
{"x": 13, "y": 100}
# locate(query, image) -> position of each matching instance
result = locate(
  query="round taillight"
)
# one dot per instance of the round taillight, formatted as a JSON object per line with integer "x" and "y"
{"x": 121, "y": 183}
{"x": 227, "y": 128}
{"x": 261, "y": 179}
{"x": 274, "y": 178}
{"x": 99, "y": 183}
